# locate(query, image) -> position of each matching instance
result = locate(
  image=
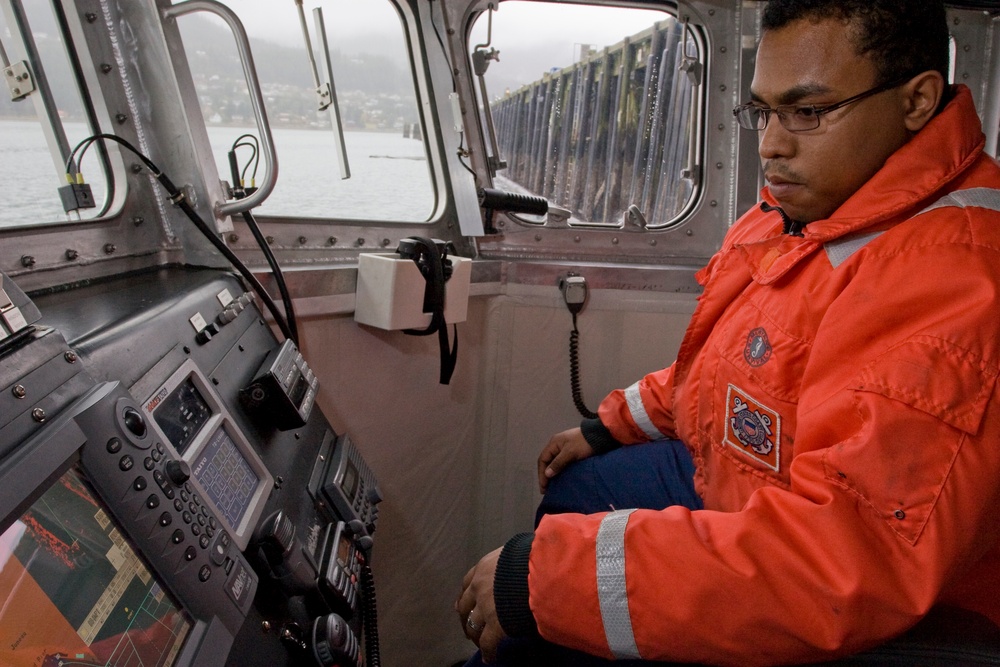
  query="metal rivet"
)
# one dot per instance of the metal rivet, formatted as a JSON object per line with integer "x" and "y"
{"x": 70, "y": 356}
{"x": 270, "y": 240}
{"x": 538, "y": 237}
{"x": 719, "y": 165}
{"x": 721, "y": 126}
{"x": 576, "y": 239}
{"x": 215, "y": 380}
{"x": 722, "y": 88}
{"x": 265, "y": 626}
{"x": 233, "y": 238}
{"x": 19, "y": 391}
{"x": 614, "y": 241}
{"x": 27, "y": 261}
{"x": 90, "y": 16}
{"x": 109, "y": 248}
{"x": 899, "y": 514}
{"x": 38, "y": 415}
{"x": 105, "y": 68}
{"x": 138, "y": 220}
{"x": 332, "y": 240}
{"x": 690, "y": 232}
{"x": 136, "y": 168}
{"x": 385, "y": 243}
{"x": 302, "y": 240}
{"x": 360, "y": 242}
{"x": 652, "y": 242}
{"x": 121, "y": 118}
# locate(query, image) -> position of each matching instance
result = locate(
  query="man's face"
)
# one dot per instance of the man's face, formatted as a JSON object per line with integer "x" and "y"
{"x": 812, "y": 173}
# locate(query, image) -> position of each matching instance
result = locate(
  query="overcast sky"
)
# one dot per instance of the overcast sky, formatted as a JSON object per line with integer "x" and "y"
{"x": 514, "y": 24}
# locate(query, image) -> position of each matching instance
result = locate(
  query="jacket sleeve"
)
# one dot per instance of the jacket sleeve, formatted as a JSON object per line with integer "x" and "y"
{"x": 643, "y": 411}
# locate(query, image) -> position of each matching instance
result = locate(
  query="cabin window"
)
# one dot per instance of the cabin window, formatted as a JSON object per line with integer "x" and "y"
{"x": 591, "y": 108}
{"x": 389, "y": 177}
{"x": 43, "y": 116}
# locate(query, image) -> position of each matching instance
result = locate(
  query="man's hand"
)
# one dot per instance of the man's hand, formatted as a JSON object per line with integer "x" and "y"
{"x": 563, "y": 449}
{"x": 477, "y": 611}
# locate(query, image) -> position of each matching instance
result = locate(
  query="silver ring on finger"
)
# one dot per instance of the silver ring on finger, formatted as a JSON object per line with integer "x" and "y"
{"x": 472, "y": 625}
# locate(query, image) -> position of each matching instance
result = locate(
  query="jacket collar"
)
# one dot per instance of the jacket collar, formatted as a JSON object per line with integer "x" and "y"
{"x": 914, "y": 175}
{"x": 911, "y": 178}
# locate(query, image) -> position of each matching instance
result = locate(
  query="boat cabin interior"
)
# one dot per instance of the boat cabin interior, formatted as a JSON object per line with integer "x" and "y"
{"x": 293, "y": 294}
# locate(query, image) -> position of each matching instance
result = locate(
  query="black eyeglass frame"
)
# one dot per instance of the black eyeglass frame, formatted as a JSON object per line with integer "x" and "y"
{"x": 787, "y": 110}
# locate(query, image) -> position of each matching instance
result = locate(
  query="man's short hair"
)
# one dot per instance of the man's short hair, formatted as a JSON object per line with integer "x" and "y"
{"x": 902, "y": 37}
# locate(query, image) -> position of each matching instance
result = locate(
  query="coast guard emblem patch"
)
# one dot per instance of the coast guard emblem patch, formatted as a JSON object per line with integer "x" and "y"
{"x": 758, "y": 348}
{"x": 752, "y": 428}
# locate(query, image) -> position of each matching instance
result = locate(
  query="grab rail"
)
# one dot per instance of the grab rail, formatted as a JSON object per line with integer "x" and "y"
{"x": 256, "y": 98}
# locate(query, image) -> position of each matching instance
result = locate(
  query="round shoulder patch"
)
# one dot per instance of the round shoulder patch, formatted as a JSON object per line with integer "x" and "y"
{"x": 758, "y": 348}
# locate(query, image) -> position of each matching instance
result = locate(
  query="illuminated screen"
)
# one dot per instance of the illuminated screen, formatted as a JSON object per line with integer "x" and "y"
{"x": 226, "y": 476}
{"x": 182, "y": 414}
{"x": 74, "y": 592}
{"x": 350, "y": 482}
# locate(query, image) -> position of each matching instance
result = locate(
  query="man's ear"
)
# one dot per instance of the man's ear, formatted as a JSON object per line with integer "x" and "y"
{"x": 922, "y": 97}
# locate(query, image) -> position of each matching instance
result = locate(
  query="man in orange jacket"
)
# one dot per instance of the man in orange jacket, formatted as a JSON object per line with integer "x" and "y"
{"x": 836, "y": 390}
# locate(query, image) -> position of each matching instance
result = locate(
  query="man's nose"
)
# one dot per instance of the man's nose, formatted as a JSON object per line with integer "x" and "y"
{"x": 775, "y": 141}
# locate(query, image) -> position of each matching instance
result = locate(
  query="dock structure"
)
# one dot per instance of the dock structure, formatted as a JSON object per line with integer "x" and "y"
{"x": 610, "y": 131}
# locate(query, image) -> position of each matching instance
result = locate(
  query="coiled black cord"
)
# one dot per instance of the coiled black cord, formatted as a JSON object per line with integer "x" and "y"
{"x": 574, "y": 372}
{"x": 369, "y": 617}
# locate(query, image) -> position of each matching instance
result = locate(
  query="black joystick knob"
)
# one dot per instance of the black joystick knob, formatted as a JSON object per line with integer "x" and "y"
{"x": 178, "y": 471}
{"x": 134, "y": 422}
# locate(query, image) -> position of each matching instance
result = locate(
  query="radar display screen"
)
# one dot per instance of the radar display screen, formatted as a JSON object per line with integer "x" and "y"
{"x": 182, "y": 414}
{"x": 74, "y": 592}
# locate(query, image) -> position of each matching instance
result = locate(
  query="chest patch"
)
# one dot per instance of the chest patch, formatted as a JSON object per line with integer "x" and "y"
{"x": 758, "y": 348}
{"x": 752, "y": 428}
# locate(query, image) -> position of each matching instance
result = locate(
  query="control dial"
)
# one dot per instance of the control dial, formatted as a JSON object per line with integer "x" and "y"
{"x": 178, "y": 471}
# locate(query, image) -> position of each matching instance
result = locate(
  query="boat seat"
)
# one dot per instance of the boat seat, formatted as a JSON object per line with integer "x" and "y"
{"x": 946, "y": 637}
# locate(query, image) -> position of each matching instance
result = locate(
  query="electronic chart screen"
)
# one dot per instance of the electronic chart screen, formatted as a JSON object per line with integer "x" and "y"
{"x": 73, "y": 592}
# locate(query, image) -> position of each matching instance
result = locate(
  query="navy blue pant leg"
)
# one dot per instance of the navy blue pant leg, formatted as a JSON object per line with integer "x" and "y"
{"x": 651, "y": 476}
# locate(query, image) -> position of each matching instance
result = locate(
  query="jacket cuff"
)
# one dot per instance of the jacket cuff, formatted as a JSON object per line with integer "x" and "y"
{"x": 598, "y": 436}
{"x": 510, "y": 588}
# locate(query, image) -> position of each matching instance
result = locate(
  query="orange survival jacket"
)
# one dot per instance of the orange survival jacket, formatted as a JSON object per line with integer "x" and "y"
{"x": 838, "y": 394}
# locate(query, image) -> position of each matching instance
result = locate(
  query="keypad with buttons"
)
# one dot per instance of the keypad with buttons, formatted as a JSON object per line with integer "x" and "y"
{"x": 172, "y": 527}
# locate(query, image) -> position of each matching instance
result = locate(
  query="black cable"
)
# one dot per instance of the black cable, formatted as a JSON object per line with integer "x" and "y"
{"x": 574, "y": 372}
{"x": 255, "y": 158}
{"x": 178, "y": 199}
{"x": 265, "y": 248}
{"x": 369, "y": 617}
{"x": 279, "y": 277}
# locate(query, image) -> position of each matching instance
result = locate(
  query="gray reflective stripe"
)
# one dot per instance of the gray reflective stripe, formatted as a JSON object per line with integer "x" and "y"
{"x": 840, "y": 251}
{"x": 611, "y": 589}
{"x": 638, "y": 412}
{"x": 975, "y": 197}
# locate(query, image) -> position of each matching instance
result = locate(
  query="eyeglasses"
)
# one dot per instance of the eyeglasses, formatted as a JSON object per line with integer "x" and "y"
{"x": 804, "y": 117}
